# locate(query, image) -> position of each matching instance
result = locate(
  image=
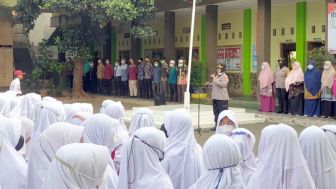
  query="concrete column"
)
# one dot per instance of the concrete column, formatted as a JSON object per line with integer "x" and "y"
{"x": 264, "y": 32}
{"x": 169, "y": 36}
{"x": 211, "y": 19}
{"x": 135, "y": 48}
{"x": 108, "y": 44}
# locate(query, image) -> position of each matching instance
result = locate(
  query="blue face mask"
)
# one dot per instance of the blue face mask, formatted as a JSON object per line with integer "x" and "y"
{"x": 310, "y": 67}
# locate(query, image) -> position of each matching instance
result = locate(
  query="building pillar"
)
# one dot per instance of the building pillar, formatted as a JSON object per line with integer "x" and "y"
{"x": 113, "y": 45}
{"x": 203, "y": 47}
{"x": 247, "y": 42}
{"x": 108, "y": 44}
{"x": 135, "y": 48}
{"x": 301, "y": 22}
{"x": 211, "y": 19}
{"x": 169, "y": 36}
{"x": 263, "y": 32}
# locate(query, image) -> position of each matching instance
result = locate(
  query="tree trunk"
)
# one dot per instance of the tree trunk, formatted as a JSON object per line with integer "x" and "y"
{"x": 77, "y": 89}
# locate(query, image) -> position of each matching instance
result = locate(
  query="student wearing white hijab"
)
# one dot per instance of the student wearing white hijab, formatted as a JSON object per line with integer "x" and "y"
{"x": 183, "y": 156}
{"x": 26, "y": 132}
{"x": 280, "y": 161}
{"x": 13, "y": 168}
{"x": 102, "y": 130}
{"x": 45, "y": 147}
{"x": 51, "y": 112}
{"x": 117, "y": 111}
{"x": 104, "y": 106}
{"x": 4, "y": 106}
{"x": 80, "y": 117}
{"x": 320, "y": 157}
{"x": 227, "y": 121}
{"x": 15, "y": 106}
{"x": 77, "y": 166}
{"x": 142, "y": 117}
{"x": 141, "y": 168}
{"x": 85, "y": 107}
{"x": 70, "y": 110}
{"x": 330, "y": 131}
{"x": 245, "y": 140}
{"x": 28, "y": 104}
{"x": 221, "y": 159}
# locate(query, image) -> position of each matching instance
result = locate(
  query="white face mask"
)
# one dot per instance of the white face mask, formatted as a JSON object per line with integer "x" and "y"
{"x": 262, "y": 67}
{"x": 171, "y": 65}
{"x": 91, "y": 65}
{"x": 225, "y": 129}
{"x": 219, "y": 71}
{"x": 180, "y": 65}
{"x": 326, "y": 67}
{"x": 156, "y": 64}
{"x": 310, "y": 67}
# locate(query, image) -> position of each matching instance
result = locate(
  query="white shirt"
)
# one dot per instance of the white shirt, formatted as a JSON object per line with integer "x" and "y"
{"x": 15, "y": 86}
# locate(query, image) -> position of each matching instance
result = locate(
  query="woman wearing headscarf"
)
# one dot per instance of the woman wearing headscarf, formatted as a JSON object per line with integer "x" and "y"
{"x": 266, "y": 83}
{"x": 70, "y": 110}
{"x": 44, "y": 148}
{"x": 245, "y": 140}
{"x": 295, "y": 87}
{"x": 141, "y": 166}
{"x": 312, "y": 94}
{"x": 102, "y": 130}
{"x": 183, "y": 156}
{"x": 13, "y": 169}
{"x": 80, "y": 117}
{"x": 85, "y": 107}
{"x": 328, "y": 99}
{"x": 104, "y": 106}
{"x": 4, "y": 106}
{"x": 320, "y": 157}
{"x": 28, "y": 104}
{"x": 330, "y": 131}
{"x": 26, "y": 132}
{"x": 227, "y": 122}
{"x": 221, "y": 159}
{"x": 77, "y": 166}
{"x": 142, "y": 117}
{"x": 49, "y": 113}
{"x": 280, "y": 161}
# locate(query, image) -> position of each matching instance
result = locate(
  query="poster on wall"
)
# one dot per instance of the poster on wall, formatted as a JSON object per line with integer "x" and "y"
{"x": 332, "y": 28}
{"x": 254, "y": 58}
{"x": 230, "y": 56}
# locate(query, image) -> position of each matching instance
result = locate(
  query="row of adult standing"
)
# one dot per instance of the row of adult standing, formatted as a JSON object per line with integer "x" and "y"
{"x": 144, "y": 78}
{"x": 310, "y": 94}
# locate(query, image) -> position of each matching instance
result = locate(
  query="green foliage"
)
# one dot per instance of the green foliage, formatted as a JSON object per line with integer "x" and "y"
{"x": 196, "y": 78}
{"x": 320, "y": 55}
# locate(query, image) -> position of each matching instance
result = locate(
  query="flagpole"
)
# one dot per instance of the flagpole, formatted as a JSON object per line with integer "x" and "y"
{"x": 187, "y": 93}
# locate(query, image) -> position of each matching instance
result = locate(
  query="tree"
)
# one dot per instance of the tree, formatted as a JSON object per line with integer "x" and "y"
{"x": 85, "y": 20}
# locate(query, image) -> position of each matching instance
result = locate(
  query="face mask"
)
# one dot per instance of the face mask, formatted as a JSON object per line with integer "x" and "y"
{"x": 91, "y": 65}
{"x": 225, "y": 129}
{"x": 262, "y": 67}
{"x": 326, "y": 67}
{"x": 171, "y": 65}
{"x": 123, "y": 62}
{"x": 310, "y": 67}
{"x": 219, "y": 71}
{"x": 156, "y": 64}
{"x": 180, "y": 65}
{"x": 162, "y": 62}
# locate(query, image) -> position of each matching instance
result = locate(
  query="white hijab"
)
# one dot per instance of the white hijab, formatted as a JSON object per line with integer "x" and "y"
{"x": 77, "y": 166}
{"x": 280, "y": 161}
{"x": 104, "y": 106}
{"x": 245, "y": 140}
{"x": 102, "y": 130}
{"x": 13, "y": 169}
{"x": 320, "y": 157}
{"x": 44, "y": 149}
{"x": 80, "y": 117}
{"x": 330, "y": 131}
{"x": 221, "y": 159}
{"x": 26, "y": 132}
{"x": 51, "y": 112}
{"x": 142, "y": 117}
{"x": 15, "y": 106}
{"x": 141, "y": 168}
{"x": 85, "y": 107}
{"x": 4, "y": 106}
{"x": 70, "y": 110}
{"x": 117, "y": 111}
{"x": 28, "y": 104}
{"x": 183, "y": 156}
{"x": 229, "y": 114}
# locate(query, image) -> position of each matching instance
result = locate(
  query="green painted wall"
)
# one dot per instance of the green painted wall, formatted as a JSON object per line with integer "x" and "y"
{"x": 247, "y": 52}
{"x": 113, "y": 45}
{"x": 203, "y": 45}
{"x": 301, "y": 21}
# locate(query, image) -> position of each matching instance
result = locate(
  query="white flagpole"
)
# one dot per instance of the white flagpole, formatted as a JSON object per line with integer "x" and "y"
{"x": 187, "y": 93}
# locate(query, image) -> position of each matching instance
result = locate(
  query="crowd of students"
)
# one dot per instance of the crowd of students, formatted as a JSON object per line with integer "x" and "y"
{"x": 45, "y": 144}
{"x": 306, "y": 94}
{"x": 141, "y": 78}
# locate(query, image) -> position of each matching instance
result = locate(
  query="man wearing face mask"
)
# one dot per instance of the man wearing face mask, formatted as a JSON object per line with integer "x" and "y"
{"x": 148, "y": 76}
{"x": 172, "y": 81}
{"x": 118, "y": 72}
{"x": 164, "y": 77}
{"x": 220, "y": 95}
{"x": 156, "y": 78}
{"x": 312, "y": 90}
{"x": 282, "y": 94}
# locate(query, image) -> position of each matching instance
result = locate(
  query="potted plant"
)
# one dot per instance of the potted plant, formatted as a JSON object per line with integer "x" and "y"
{"x": 320, "y": 55}
{"x": 197, "y": 81}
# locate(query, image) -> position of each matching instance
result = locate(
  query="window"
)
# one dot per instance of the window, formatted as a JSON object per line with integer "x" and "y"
{"x": 226, "y": 35}
{"x": 198, "y": 37}
{"x": 240, "y": 35}
{"x": 233, "y": 35}
{"x": 283, "y": 31}
{"x": 292, "y": 31}
{"x": 219, "y": 36}
{"x": 154, "y": 41}
{"x": 323, "y": 28}
{"x": 181, "y": 39}
{"x": 313, "y": 29}
{"x": 187, "y": 38}
{"x": 274, "y": 32}
{"x": 149, "y": 41}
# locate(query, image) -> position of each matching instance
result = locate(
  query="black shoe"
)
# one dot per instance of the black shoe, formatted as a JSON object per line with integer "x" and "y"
{"x": 279, "y": 112}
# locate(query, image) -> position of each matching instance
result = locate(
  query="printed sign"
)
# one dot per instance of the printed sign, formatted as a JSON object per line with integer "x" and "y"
{"x": 332, "y": 28}
{"x": 230, "y": 56}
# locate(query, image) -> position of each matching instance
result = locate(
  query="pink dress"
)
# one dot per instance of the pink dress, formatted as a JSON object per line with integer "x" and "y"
{"x": 267, "y": 101}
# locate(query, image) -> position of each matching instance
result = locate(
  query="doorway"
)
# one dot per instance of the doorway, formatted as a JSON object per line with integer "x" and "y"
{"x": 315, "y": 44}
{"x": 288, "y": 52}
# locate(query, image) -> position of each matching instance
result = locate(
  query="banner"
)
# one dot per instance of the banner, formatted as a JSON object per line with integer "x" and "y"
{"x": 254, "y": 58}
{"x": 230, "y": 56}
{"x": 332, "y": 28}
